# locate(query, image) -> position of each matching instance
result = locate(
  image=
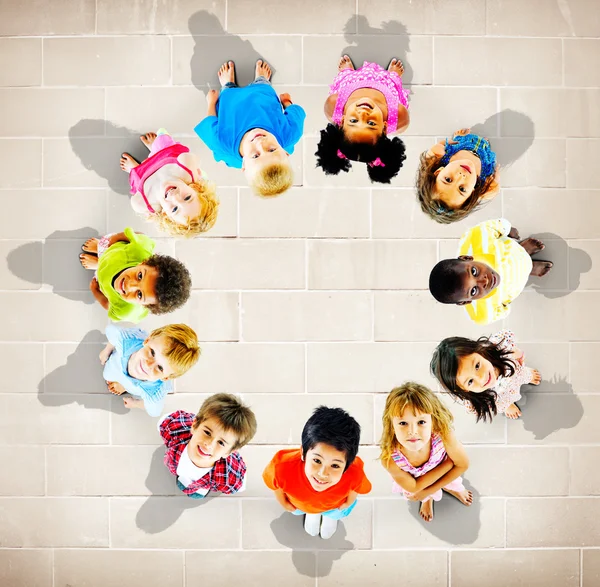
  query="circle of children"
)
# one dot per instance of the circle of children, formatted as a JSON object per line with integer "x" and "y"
{"x": 254, "y": 129}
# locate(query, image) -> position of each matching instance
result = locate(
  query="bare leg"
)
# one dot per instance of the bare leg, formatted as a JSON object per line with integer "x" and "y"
{"x": 465, "y": 497}
{"x": 88, "y": 261}
{"x": 227, "y": 73}
{"x": 128, "y": 162}
{"x": 90, "y": 246}
{"x": 426, "y": 510}
{"x": 532, "y": 245}
{"x": 148, "y": 139}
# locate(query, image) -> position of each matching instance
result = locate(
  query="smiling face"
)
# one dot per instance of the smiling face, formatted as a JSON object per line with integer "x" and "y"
{"x": 477, "y": 281}
{"x": 363, "y": 121}
{"x": 324, "y": 466}
{"x": 455, "y": 182}
{"x": 137, "y": 285}
{"x": 210, "y": 442}
{"x": 150, "y": 362}
{"x": 259, "y": 149}
{"x": 413, "y": 431}
{"x": 475, "y": 374}
{"x": 180, "y": 202}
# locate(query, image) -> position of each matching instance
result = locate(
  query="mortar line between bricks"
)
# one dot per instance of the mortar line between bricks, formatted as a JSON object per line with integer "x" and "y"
{"x": 581, "y": 567}
{"x": 449, "y": 568}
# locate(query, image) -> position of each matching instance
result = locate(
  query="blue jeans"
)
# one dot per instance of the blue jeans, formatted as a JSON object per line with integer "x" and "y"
{"x": 335, "y": 514}
{"x": 261, "y": 79}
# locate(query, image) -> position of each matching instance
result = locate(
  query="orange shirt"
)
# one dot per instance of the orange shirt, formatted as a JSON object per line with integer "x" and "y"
{"x": 286, "y": 472}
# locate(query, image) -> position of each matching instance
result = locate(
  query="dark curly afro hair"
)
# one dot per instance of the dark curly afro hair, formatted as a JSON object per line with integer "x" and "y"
{"x": 173, "y": 284}
{"x": 390, "y": 151}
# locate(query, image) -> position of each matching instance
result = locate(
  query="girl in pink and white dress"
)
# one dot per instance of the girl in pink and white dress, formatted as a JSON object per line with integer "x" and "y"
{"x": 485, "y": 375}
{"x": 365, "y": 107}
{"x": 419, "y": 449}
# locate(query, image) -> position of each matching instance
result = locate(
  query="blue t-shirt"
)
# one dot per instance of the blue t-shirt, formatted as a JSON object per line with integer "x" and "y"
{"x": 242, "y": 109}
{"x": 126, "y": 342}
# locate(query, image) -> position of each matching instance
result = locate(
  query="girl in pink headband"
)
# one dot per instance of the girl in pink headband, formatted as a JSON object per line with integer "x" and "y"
{"x": 365, "y": 108}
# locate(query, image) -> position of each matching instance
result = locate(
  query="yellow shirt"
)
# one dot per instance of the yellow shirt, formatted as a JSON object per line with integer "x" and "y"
{"x": 489, "y": 243}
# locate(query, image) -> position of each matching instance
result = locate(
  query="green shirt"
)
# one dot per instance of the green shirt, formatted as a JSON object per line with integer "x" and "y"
{"x": 115, "y": 259}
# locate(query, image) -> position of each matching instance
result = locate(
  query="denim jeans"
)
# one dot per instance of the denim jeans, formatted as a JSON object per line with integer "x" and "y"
{"x": 261, "y": 79}
{"x": 335, "y": 514}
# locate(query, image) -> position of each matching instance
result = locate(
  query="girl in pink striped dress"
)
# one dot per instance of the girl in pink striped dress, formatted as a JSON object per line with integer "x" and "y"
{"x": 365, "y": 107}
{"x": 419, "y": 449}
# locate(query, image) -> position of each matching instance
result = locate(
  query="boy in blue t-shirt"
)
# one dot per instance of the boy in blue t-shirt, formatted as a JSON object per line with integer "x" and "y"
{"x": 247, "y": 128}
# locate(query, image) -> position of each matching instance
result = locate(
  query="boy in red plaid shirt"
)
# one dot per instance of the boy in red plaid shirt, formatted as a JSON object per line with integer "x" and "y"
{"x": 202, "y": 449}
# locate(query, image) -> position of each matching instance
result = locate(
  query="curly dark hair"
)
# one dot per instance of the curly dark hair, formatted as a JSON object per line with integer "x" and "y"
{"x": 436, "y": 209}
{"x": 390, "y": 151}
{"x": 445, "y": 280}
{"x": 444, "y": 367}
{"x": 173, "y": 284}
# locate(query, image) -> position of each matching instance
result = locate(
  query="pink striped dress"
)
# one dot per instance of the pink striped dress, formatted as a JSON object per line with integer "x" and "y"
{"x": 436, "y": 456}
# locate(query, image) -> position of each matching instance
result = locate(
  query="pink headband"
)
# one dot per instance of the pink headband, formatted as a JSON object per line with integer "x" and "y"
{"x": 376, "y": 163}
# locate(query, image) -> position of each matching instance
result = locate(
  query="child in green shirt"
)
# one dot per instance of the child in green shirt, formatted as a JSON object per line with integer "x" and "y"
{"x": 130, "y": 279}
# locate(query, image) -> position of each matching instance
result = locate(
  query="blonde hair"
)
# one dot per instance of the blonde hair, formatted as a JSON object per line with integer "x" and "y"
{"x": 206, "y": 191}
{"x": 273, "y": 179}
{"x": 419, "y": 399}
{"x": 183, "y": 350}
{"x": 233, "y": 415}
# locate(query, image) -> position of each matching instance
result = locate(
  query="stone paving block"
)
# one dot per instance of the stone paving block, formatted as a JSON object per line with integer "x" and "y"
{"x": 25, "y": 567}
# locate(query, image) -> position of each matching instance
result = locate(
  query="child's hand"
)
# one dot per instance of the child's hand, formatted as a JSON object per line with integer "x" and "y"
{"x": 462, "y": 132}
{"x": 212, "y": 97}
{"x": 105, "y": 354}
{"x": 132, "y": 402}
{"x": 94, "y": 285}
{"x": 285, "y": 100}
{"x": 418, "y": 496}
{"x": 115, "y": 388}
{"x": 536, "y": 377}
{"x": 514, "y": 233}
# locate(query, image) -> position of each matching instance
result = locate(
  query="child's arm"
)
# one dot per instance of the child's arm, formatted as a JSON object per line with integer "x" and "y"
{"x": 403, "y": 120}
{"x": 286, "y": 100}
{"x": 106, "y": 353}
{"x": 330, "y": 106}
{"x": 349, "y": 500}
{"x": 211, "y": 99}
{"x": 458, "y": 456}
{"x": 284, "y": 502}
{"x": 412, "y": 485}
{"x": 98, "y": 295}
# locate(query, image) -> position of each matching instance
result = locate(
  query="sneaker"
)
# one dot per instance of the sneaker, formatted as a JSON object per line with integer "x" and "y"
{"x": 312, "y": 523}
{"x": 328, "y": 527}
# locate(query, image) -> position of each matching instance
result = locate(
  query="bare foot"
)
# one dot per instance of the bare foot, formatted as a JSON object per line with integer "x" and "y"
{"x": 262, "y": 68}
{"x": 115, "y": 388}
{"x": 88, "y": 261}
{"x": 512, "y": 412}
{"x": 227, "y": 73}
{"x": 396, "y": 66}
{"x": 426, "y": 511}
{"x": 90, "y": 246}
{"x": 532, "y": 245}
{"x": 540, "y": 268}
{"x": 148, "y": 139}
{"x": 128, "y": 162}
{"x": 465, "y": 497}
{"x": 345, "y": 63}
{"x": 536, "y": 377}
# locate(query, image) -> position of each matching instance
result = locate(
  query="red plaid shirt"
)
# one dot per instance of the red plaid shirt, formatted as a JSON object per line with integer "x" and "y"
{"x": 226, "y": 476}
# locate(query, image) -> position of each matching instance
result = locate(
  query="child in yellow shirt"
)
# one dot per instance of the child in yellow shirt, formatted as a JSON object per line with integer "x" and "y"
{"x": 490, "y": 272}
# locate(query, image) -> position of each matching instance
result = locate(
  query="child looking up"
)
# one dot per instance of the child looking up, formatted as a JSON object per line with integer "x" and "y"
{"x": 130, "y": 280}
{"x": 170, "y": 188}
{"x": 202, "y": 449}
{"x": 419, "y": 449}
{"x": 144, "y": 364}
{"x": 485, "y": 374}
{"x": 252, "y": 129}
{"x": 490, "y": 272}
{"x": 455, "y": 176}
{"x": 322, "y": 479}
{"x": 365, "y": 107}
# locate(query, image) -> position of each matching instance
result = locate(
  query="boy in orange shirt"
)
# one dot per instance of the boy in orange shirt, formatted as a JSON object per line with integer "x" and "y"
{"x": 322, "y": 479}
